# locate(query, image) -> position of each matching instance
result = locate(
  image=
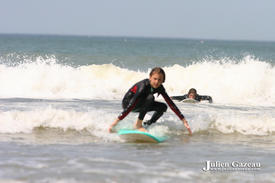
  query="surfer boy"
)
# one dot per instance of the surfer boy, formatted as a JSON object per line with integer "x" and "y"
{"x": 140, "y": 98}
{"x": 192, "y": 93}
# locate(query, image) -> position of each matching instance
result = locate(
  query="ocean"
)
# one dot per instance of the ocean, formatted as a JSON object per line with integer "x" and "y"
{"x": 59, "y": 94}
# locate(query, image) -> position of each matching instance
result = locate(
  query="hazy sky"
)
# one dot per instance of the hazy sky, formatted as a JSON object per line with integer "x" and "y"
{"x": 202, "y": 19}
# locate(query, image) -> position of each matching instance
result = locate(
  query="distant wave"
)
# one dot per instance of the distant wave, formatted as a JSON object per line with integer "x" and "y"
{"x": 249, "y": 81}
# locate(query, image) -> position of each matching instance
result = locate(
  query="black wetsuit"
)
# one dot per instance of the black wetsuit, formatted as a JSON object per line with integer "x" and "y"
{"x": 197, "y": 97}
{"x": 140, "y": 98}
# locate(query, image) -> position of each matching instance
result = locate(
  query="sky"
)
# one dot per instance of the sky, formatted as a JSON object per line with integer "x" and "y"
{"x": 199, "y": 19}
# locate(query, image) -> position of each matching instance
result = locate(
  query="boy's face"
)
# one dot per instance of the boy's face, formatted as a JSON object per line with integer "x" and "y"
{"x": 191, "y": 95}
{"x": 156, "y": 80}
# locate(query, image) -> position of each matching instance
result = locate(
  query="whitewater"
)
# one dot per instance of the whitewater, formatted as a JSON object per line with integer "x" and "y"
{"x": 248, "y": 82}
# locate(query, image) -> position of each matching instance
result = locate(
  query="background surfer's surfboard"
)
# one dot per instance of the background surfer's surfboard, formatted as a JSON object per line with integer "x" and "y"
{"x": 139, "y": 136}
{"x": 190, "y": 100}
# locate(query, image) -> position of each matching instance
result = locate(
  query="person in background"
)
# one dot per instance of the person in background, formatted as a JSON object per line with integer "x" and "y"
{"x": 192, "y": 93}
{"x": 140, "y": 98}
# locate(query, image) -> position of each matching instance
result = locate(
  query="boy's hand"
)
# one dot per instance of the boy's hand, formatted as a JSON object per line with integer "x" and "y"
{"x": 187, "y": 126}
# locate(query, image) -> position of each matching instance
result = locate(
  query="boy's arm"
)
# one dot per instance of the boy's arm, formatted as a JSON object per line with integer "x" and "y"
{"x": 173, "y": 106}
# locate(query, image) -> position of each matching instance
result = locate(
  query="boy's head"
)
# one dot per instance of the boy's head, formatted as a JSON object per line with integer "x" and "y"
{"x": 192, "y": 93}
{"x": 157, "y": 77}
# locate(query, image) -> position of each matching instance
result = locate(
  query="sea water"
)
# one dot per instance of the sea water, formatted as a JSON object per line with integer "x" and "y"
{"x": 59, "y": 94}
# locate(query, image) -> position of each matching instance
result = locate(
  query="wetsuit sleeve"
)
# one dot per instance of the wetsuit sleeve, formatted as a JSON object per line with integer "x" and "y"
{"x": 171, "y": 104}
{"x": 206, "y": 97}
{"x": 137, "y": 89}
{"x": 179, "y": 98}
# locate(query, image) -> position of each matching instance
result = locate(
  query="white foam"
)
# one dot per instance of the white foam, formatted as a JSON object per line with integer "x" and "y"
{"x": 159, "y": 130}
{"x": 249, "y": 82}
{"x": 228, "y": 120}
{"x": 45, "y": 78}
{"x": 252, "y": 123}
{"x": 94, "y": 121}
{"x": 97, "y": 121}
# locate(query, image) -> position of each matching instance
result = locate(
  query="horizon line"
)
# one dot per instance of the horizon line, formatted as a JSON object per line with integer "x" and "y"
{"x": 141, "y": 37}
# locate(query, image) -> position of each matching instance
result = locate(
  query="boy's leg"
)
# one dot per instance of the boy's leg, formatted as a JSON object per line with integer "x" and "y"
{"x": 144, "y": 106}
{"x": 159, "y": 109}
{"x": 149, "y": 104}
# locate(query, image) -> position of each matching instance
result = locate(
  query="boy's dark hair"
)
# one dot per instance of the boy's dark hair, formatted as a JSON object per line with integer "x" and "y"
{"x": 158, "y": 70}
{"x": 192, "y": 90}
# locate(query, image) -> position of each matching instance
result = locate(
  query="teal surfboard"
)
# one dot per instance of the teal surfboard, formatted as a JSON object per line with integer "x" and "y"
{"x": 139, "y": 136}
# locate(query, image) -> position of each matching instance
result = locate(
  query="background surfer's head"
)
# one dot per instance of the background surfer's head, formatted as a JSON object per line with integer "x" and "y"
{"x": 157, "y": 77}
{"x": 192, "y": 93}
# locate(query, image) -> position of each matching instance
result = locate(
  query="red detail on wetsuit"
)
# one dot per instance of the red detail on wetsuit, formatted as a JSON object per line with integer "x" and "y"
{"x": 134, "y": 89}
